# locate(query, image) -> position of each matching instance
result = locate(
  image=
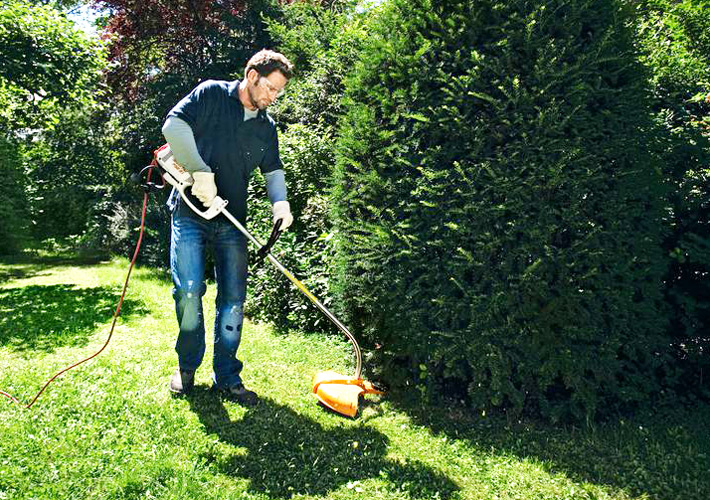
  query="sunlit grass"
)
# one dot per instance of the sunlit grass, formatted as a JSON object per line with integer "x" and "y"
{"x": 110, "y": 429}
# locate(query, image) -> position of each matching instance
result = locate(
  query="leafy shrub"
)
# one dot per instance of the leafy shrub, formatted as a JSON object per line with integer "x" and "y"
{"x": 675, "y": 41}
{"x": 323, "y": 43}
{"x": 498, "y": 219}
{"x": 114, "y": 226}
{"x": 70, "y": 166}
{"x": 304, "y": 249}
{"x": 13, "y": 202}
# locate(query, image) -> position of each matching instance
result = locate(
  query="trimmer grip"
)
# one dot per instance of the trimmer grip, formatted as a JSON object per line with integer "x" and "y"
{"x": 214, "y": 210}
{"x": 181, "y": 179}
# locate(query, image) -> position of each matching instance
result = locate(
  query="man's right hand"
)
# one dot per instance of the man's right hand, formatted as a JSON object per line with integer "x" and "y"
{"x": 204, "y": 187}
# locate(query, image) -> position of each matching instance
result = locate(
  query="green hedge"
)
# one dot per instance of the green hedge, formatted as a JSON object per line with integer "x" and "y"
{"x": 498, "y": 217}
{"x": 675, "y": 42}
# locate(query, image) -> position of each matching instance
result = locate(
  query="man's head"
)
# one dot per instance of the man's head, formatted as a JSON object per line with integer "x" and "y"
{"x": 265, "y": 77}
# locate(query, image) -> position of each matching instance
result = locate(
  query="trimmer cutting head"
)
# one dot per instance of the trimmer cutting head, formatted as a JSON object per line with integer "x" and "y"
{"x": 341, "y": 393}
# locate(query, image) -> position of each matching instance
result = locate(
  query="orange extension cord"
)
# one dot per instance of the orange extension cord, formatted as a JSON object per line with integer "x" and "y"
{"x": 115, "y": 315}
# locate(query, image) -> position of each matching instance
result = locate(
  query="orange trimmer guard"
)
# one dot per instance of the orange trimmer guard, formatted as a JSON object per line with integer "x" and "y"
{"x": 341, "y": 393}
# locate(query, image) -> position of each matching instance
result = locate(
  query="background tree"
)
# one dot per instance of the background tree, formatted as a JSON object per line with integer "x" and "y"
{"x": 48, "y": 72}
{"x": 187, "y": 40}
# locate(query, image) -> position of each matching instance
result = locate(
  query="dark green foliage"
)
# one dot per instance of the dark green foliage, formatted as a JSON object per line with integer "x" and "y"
{"x": 305, "y": 248}
{"x": 114, "y": 226}
{"x": 323, "y": 43}
{"x": 498, "y": 217}
{"x": 70, "y": 169}
{"x": 675, "y": 42}
{"x": 13, "y": 202}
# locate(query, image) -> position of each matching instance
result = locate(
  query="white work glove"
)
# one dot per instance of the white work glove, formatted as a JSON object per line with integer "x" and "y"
{"x": 282, "y": 210}
{"x": 204, "y": 187}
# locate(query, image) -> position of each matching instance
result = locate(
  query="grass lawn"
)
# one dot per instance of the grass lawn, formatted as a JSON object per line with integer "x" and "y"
{"x": 110, "y": 430}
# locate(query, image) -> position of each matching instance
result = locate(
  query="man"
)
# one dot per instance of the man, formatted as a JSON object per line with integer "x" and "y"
{"x": 220, "y": 132}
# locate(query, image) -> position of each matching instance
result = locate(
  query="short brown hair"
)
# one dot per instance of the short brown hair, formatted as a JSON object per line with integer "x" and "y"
{"x": 267, "y": 61}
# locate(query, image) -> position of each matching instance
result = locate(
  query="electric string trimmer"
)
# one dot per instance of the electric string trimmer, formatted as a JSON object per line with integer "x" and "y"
{"x": 338, "y": 392}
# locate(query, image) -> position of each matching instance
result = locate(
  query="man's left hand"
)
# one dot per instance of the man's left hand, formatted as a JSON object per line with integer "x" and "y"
{"x": 282, "y": 210}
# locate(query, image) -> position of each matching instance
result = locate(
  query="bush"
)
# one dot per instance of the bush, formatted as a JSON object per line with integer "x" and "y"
{"x": 322, "y": 42}
{"x": 304, "y": 249}
{"x": 498, "y": 220}
{"x": 675, "y": 41}
{"x": 13, "y": 202}
{"x": 114, "y": 226}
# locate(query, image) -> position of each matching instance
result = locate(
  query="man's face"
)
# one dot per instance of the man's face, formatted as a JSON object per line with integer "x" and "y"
{"x": 264, "y": 90}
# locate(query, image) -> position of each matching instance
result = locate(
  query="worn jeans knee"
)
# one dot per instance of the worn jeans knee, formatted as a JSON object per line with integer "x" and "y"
{"x": 187, "y": 247}
{"x": 230, "y": 322}
{"x": 188, "y": 302}
{"x": 231, "y": 273}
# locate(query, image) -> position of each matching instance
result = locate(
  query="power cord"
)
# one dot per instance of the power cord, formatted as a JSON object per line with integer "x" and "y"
{"x": 115, "y": 314}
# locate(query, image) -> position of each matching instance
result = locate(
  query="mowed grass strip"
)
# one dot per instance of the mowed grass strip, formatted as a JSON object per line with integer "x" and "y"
{"x": 110, "y": 430}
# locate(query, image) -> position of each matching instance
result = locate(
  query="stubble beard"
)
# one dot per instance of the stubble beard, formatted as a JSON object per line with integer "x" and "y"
{"x": 255, "y": 104}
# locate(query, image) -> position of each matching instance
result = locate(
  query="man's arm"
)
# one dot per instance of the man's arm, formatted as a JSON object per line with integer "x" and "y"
{"x": 182, "y": 143}
{"x": 272, "y": 168}
{"x": 276, "y": 185}
{"x": 276, "y": 190}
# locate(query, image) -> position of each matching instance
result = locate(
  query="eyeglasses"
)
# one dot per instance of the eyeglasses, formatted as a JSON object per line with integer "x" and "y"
{"x": 271, "y": 88}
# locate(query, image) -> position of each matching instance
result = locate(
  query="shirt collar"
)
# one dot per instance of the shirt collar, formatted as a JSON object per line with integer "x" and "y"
{"x": 233, "y": 88}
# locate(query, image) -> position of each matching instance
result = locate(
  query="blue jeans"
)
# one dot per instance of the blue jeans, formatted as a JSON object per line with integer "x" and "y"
{"x": 188, "y": 240}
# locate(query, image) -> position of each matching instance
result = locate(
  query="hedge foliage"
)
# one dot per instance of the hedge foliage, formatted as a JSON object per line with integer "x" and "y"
{"x": 674, "y": 38}
{"x": 498, "y": 216}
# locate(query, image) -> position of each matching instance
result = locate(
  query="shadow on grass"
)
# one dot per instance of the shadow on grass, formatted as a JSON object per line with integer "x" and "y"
{"x": 48, "y": 317}
{"x": 665, "y": 456}
{"x": 288, "y": 454}
{"x": 27, "y": 265}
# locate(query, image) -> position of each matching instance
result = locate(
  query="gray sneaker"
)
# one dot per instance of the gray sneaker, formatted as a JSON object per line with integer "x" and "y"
{"x": 182, "y": 381}
{"x": 239, "y": 394}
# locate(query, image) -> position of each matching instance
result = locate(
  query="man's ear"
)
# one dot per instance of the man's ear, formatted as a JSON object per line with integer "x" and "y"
{"x": 252, "y": 76}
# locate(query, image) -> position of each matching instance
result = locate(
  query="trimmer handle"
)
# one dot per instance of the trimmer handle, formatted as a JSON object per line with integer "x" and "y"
{"x": 214, "y": 209}
{"x": 181, "y": 179}
{"x": 266, "y": 248}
